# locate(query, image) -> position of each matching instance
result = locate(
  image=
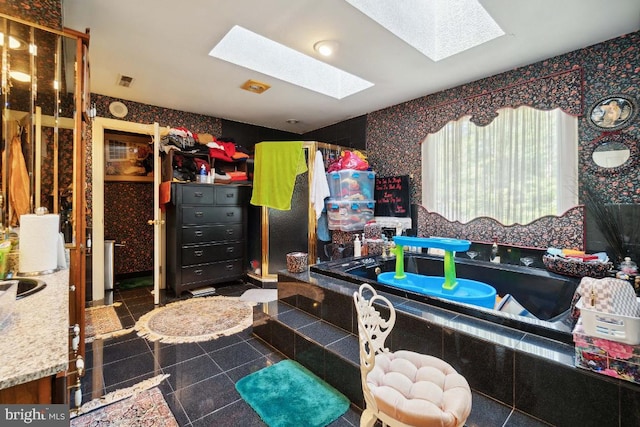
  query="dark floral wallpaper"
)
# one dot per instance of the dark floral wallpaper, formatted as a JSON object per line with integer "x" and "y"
{"x": 573, "y": 81}
{"x": 128, "y": 205}
{"x": 42, "y": 12}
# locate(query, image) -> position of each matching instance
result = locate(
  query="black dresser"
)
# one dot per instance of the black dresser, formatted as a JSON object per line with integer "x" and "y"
{"x": 206, "y": 234}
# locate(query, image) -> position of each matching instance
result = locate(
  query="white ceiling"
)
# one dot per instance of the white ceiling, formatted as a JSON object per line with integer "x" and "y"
{"x": 164, "y": 46}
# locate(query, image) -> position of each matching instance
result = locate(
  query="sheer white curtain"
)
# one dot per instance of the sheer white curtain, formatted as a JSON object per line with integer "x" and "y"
{"x": 519, "y": 168}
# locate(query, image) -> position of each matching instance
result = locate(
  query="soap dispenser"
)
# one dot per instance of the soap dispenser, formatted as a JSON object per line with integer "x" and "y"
{"x": 357, "y": 246}
{"x": 494, "y": 252}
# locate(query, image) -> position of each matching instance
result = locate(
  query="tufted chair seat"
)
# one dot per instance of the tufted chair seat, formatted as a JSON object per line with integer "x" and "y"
{"x": 404, "y": 388}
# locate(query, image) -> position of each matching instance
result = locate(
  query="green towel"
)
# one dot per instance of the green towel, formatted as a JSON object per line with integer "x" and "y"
{"x": 276, "y": 166}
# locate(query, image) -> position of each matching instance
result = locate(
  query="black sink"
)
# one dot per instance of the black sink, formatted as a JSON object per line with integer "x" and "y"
{"x": 28, "y": 286}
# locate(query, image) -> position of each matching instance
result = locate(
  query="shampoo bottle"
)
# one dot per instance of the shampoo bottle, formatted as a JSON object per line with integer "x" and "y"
{"x": 494, "y": 252}
{"x": 357, "y": 246}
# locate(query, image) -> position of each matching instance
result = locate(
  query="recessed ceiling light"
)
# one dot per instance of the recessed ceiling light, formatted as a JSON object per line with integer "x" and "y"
{"x": 436, "y": 28}
{"x": 293, "y": 121}
{"x": 253, "y": 51}
{"x": 326, "y": 47}
{"x": 255, "y": 86}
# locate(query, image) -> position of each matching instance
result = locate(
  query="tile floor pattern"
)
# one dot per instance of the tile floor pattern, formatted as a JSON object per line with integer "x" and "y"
{"x": 201, "y": 387}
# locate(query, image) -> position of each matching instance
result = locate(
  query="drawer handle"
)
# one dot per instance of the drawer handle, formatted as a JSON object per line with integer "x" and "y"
{"x": 198, "y": 233}
{"x": 229, "y": 213}
{"x": 229, "y": 267}
{"x": 230, "y": 195}
{"x": 199, "y": 214}
{"x": 198, "y": 272}
{"x": 230, "y": 250}
{"x": 198, "y": 194}
{"x": 230, "y": 231}
{"x": 198, "y": 253}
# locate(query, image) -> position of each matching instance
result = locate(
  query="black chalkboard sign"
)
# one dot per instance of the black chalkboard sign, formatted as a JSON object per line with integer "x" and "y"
{"x": 392, "y": 196}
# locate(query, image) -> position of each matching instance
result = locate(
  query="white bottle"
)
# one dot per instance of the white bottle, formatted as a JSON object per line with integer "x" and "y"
{"x": 357, "y": 246}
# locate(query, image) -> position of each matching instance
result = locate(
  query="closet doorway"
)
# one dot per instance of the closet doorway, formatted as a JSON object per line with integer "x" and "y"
{"x": 113, "y": 139}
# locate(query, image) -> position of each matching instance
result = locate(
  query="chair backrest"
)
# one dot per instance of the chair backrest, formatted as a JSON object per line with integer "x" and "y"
{"x": 373, "y": 331}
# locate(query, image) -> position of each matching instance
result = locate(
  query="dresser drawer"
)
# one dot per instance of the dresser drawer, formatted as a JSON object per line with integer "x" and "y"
{"x": 211, "y": 214}
{"x": 230, "y": 195}
{"x": 199, "y": 194}
{"x": 208, "y": 233}
{"x": 212, "y": 272}
{"x": 201, "y": 254}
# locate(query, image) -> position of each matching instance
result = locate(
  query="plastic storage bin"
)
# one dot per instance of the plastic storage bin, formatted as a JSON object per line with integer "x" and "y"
{"x": 349, "y": 215}
{"x": 351, "y": 184}
{"x": 612, "y": 327}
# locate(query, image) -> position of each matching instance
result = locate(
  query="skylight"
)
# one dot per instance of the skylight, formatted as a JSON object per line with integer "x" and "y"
{"x": 250, "y": 50}
{"x": 436, "y": 28}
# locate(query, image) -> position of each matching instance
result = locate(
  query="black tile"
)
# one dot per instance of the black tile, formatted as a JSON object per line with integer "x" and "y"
{"x": 629, "y": 404}
{"x": 132, "y": 367}
{"x": 322, "y": 332}
{"x": 338, "y": 310}
{"x": 414, "y": 334}
{"x": 123, "y": 350}
{"x": 487, "y": 367}
{"x": 220, "y": 342}
{"x": 203, "y": 398}
{"x": 255, "y": 365}
{"x": 486, "y": 412}
{"x": 282, "y": 339}
{"x": 119, "y": 339}
{"x": 235, "y": 355}
{"x": 310, "y": 355}
{"x": 347, "y": 348}
{"x": 190, "y": 372}
{"x": 296, "y": 318}
{"x": 518, "y": 419}
{"x": 593, "y": 400}
{"x": 237, "y": 414}
{"x": 176, "y": 408}
{"x": 345, "y": 377}
{"x": 261, "y": 346}
{"x": 170, "y": 354}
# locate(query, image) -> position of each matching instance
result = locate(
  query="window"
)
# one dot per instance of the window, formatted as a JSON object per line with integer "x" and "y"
{"x": 521, "y": 167}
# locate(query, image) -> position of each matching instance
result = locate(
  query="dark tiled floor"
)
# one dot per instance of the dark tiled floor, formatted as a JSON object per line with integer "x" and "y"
{"x": 201, "y": 387}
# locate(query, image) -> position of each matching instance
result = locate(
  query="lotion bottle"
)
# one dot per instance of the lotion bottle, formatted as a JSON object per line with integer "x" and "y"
{"x": 357, "y": 246}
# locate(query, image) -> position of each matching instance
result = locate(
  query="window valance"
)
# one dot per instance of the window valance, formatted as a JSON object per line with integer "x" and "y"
{"x": 558, "y": 90}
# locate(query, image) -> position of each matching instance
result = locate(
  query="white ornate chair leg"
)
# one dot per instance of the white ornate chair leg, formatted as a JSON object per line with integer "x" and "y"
{"x": 368, "y": 418}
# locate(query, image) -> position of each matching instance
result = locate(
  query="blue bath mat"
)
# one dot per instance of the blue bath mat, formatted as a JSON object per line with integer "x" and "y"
{"x": 289, "y": 395}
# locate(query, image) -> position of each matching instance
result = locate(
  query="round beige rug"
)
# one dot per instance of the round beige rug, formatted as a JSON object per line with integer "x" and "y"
{"x": 196, "y": 319}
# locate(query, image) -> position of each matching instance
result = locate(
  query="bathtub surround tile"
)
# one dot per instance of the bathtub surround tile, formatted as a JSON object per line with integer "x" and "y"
{"x": 346, "y": 348}
{"x": 630, "y": 403}
{"x": 337, "y": 311}
{"x": 412, "y": 334}
{"x": 585, "y": 399}
{"x": 310, "y": 355}
{"x": 282, "y": 338}
{"x": 487, "y": 367}
{"x": 322, "y": 332}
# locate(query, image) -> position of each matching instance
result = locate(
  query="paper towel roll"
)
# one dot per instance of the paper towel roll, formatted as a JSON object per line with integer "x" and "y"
{"x": 38, "y": 243}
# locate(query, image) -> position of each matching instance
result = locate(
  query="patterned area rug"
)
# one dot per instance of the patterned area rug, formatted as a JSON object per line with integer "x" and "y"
{"x": 196, "y": 319}
{"x": 102, "y": 322}
{"x": 147, "y": 408}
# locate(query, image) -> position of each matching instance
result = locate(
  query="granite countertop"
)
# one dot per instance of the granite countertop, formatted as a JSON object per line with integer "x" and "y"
{"x": 34, "y": 340}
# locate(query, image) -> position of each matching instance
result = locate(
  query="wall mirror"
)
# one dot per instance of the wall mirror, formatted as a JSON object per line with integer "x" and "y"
{"x": 38, "y": 123}
{"x": 611, "y": 154}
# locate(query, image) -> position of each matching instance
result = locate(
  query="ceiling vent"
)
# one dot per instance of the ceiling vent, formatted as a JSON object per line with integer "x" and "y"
{"x": 124, "y": 81}
{"x": 255, "y": 86}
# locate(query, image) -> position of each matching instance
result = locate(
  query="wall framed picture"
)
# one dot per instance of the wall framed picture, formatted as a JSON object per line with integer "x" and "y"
{"x": 613, "y": 112}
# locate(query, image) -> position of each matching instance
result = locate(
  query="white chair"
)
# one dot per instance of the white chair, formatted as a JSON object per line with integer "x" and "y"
{"x": 404, "y": 388}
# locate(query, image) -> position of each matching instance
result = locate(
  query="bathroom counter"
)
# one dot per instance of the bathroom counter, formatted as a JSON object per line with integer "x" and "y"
{"x": 34, "y": 340}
